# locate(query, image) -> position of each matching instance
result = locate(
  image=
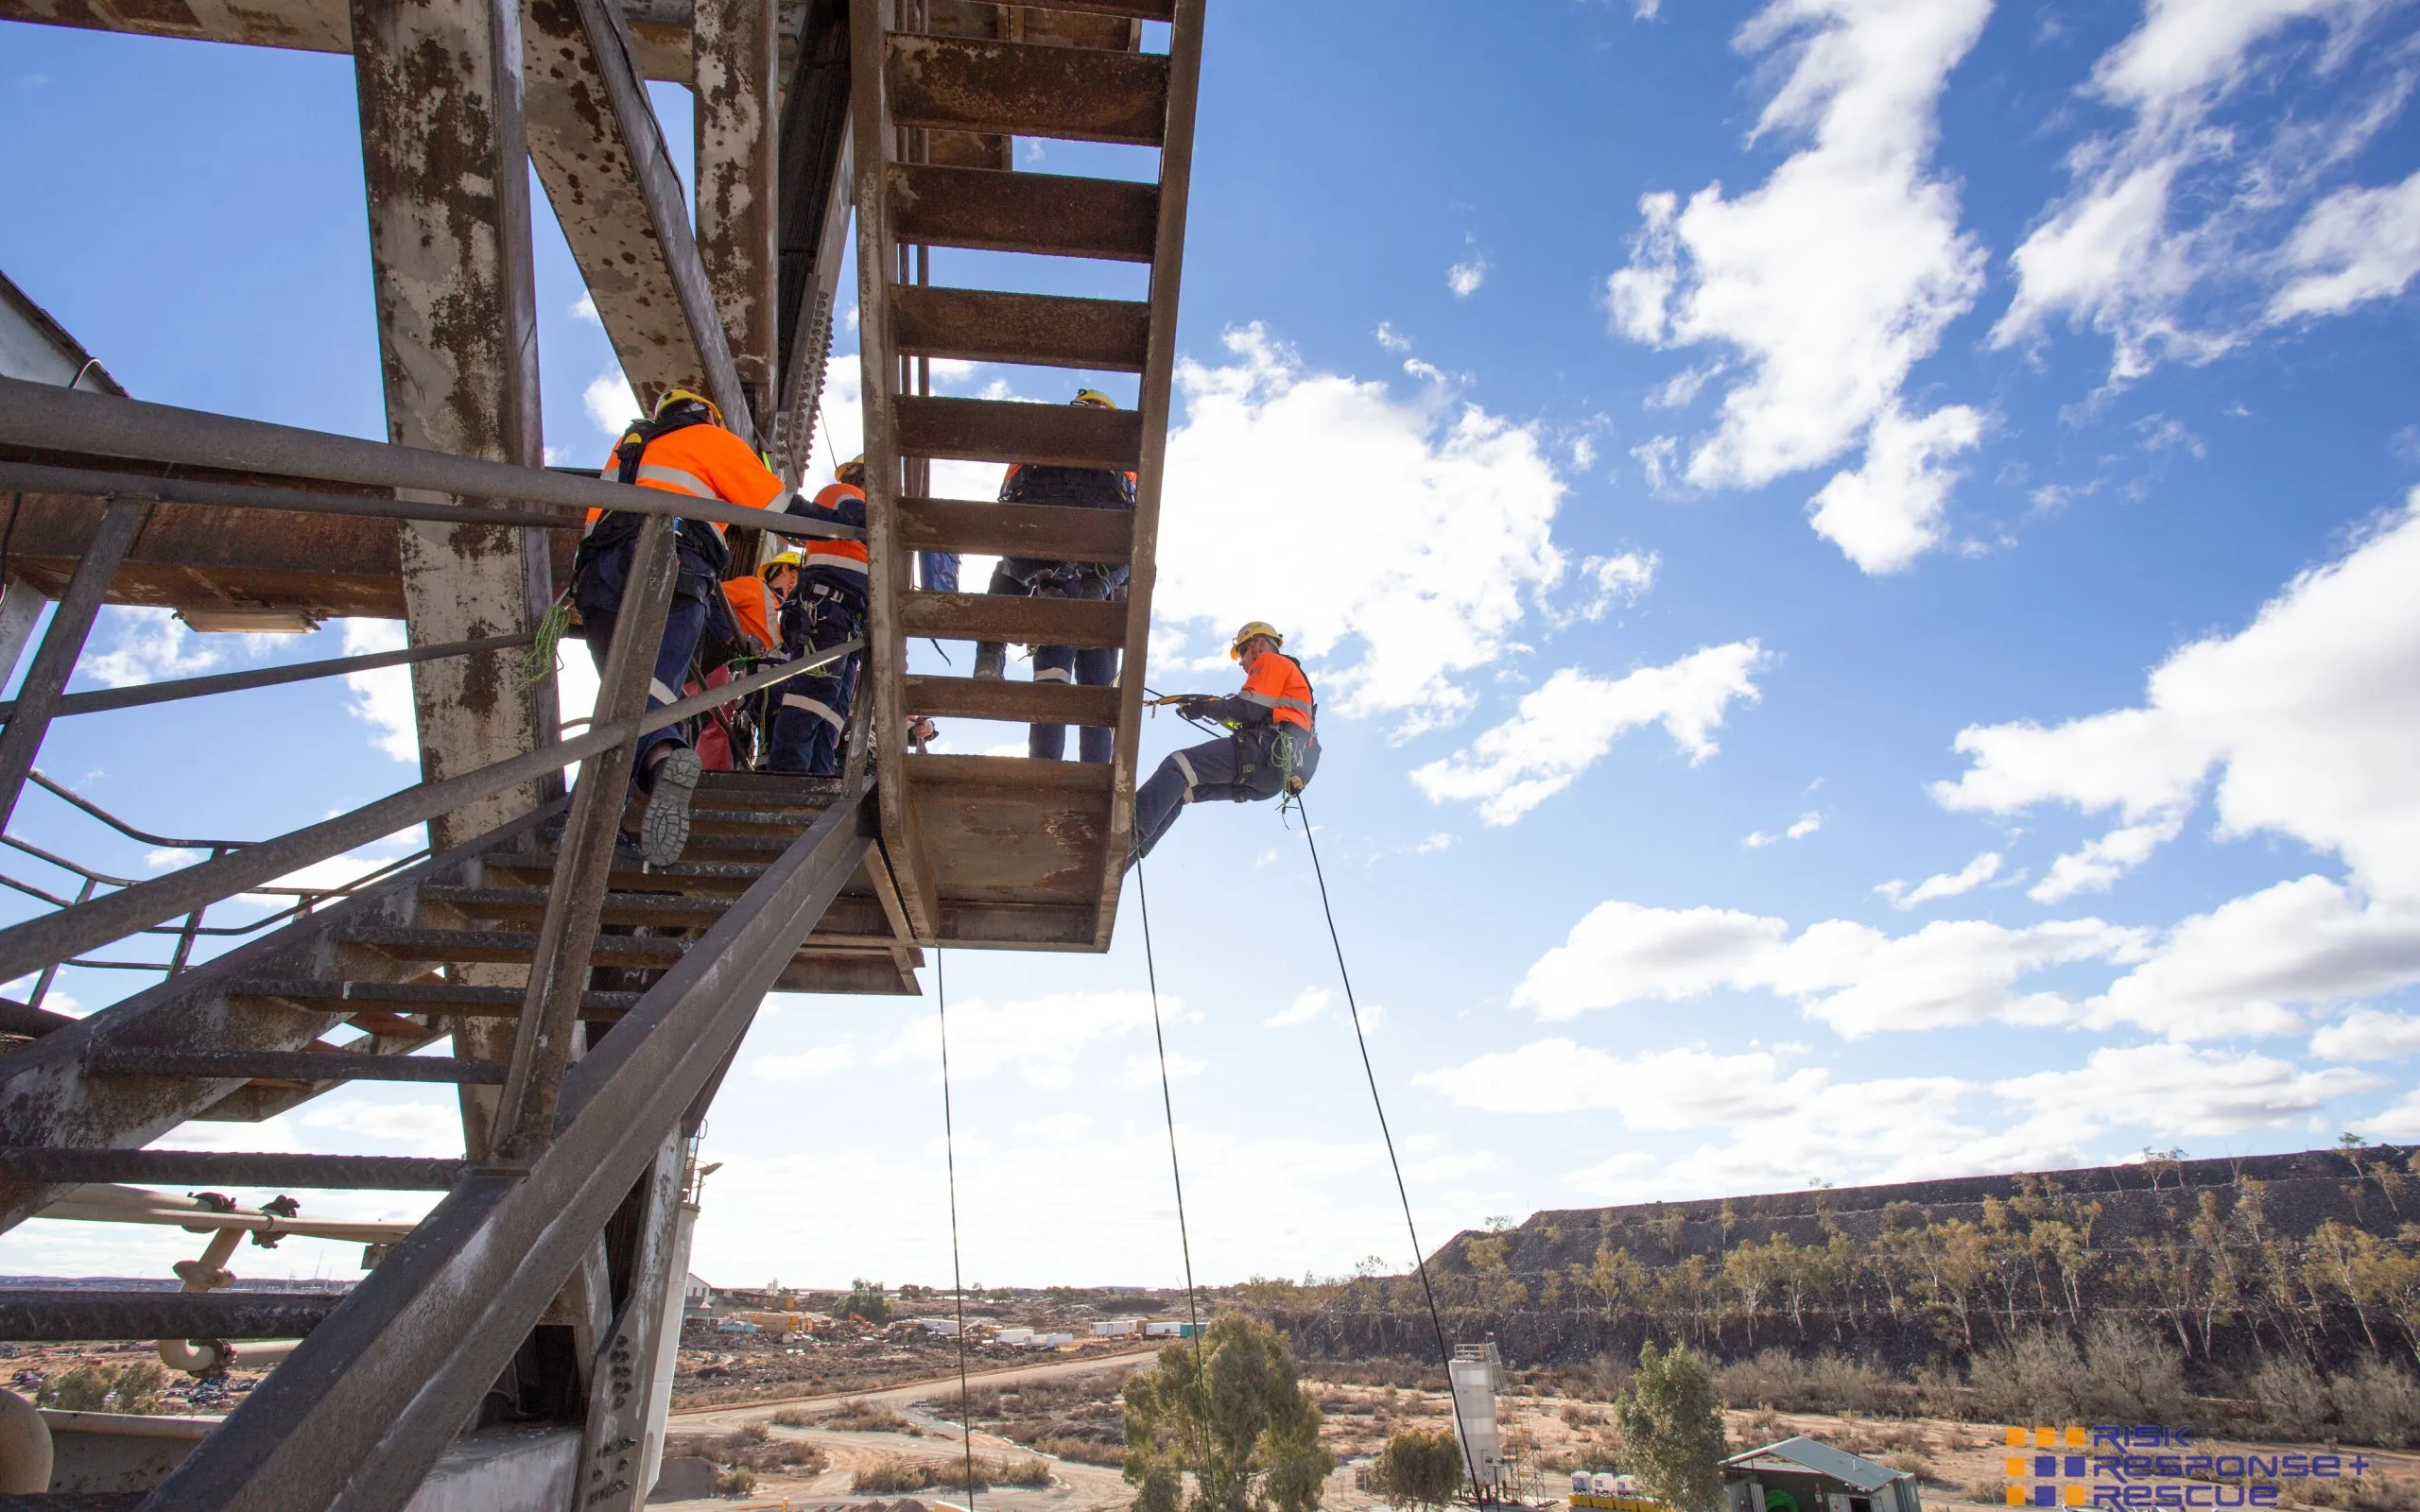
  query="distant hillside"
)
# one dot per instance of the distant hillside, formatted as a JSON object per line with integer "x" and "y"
{"x": 2315, "y": 1254}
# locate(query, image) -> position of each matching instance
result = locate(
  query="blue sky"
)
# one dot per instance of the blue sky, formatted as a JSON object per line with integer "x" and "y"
{"x": 1857, "y": 554}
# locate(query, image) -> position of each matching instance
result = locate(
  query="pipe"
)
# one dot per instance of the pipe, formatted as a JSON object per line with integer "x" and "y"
{"x": 203, "y": 1357}
{"x": 50, "y": 418}
{"x": 24, "y": 1446}
{"x": 102, "y": 699}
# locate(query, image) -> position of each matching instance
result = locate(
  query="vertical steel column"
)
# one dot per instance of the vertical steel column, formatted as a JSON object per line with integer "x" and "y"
{"x": 733, "y": 47}
{"x": 444, "y": 154}
{"x": 446, "y": 165}
{"x": 584, "y": 859}
{"x": 21, "y": 607}
{"x": 615, "y": 1446}
{"x": 46, "y": 680}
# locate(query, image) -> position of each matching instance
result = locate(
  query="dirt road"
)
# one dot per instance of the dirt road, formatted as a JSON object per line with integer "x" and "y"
{"x": 731, "y": 1415}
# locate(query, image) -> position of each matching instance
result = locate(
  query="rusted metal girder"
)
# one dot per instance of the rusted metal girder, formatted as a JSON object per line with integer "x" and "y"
{"x": 816, "y": 185}
{"x": 354, "y": 1419}
{"x": 52, "y": 1316}
{"x": 660, "y": 29}
{"x": 738, "y": 59}
{"x": 61, "y": 644}
{"x": 177, "y": 689}
{"x": 445, "y": 162}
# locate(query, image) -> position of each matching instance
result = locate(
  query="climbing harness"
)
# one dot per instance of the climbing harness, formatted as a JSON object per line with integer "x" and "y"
{"x": 1419, "y": 1256}
{"x": 956, "y": 1276}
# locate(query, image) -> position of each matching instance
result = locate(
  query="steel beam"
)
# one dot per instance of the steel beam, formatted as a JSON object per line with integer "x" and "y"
{"x": 33, "y": 1316}
{"x": 234, "y": 1168}
{"x": 1167, "y": 264}
{"x": 566, "y": 936}
{"x": 38, "y": 415}
{"x": 174, "y": 689}
{"x": 736, "y": 60}
{"x": 816, "y": 186}
{"x": 355, "y": 1418}
{"x": 622, "y": 1384}
{"x": 446, "y": 165}
{"x": 667, "y": 208}
{"x": 292, "y": 1065}
{"x": 46, "y": 680}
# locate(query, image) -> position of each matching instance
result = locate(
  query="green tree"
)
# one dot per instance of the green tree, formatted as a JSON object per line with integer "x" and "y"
{"x": 865, "y": 1301}
{"x": 1421, "y": 1467}
{"x": 1231, "y": 1413}
{"x": 1672, "y": 1429}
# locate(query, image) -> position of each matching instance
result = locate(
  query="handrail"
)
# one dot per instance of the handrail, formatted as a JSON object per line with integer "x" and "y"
{"x": 120, "y": 825}
{"x": 46, "y": 941}
{"x": 45, "y": 418}
{"x": 102, "y": 699}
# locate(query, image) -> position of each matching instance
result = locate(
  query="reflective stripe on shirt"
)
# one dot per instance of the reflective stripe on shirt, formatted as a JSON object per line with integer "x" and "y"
{"x": 676, "y": 480}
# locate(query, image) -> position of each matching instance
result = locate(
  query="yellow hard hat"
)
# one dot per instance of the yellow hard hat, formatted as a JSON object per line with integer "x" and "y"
{"x": 787, "y": 559}
{"x": 855, "y": 464}
{"x": 1094, "y": 398}
{"x": 686, "y": 396}
{"x": 1252, "y": 628}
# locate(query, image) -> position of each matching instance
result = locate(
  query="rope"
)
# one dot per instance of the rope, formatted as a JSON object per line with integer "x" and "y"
{"x": 956, "y": 1278}
{"x": 1176, "y": 1173}
{"x": 1419, "y": 1256}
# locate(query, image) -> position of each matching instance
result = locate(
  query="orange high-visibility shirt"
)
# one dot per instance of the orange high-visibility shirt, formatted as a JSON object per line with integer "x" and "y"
{"x": 847, "y": 556}
{"x": 704, "y": 463}
{"x": 754, "y": 604}
{"x": 1277, "y": 685}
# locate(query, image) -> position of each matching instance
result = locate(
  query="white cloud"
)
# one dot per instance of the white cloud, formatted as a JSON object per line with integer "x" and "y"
{"x": 2241, "y": 967}
{"x": 1390, "y": 339}
{"x": 428, "y": 1129}
{"x": 584, "y": 308}
{"x": 1565, "y": 725}
{"x": 383, "y": 698}
{"x": 1886, "y": 513}
{"x": 1658, "y": 458}
{"x": 2305, "y": 715}
{"x": 610, "y": 401}
{"x": 2400, "y": 1122}
{"x": 2355, "y": 244}
{"x": 1037, "y": 1038}
{"x": 1848, "y": 975}
{"x": 2178, "y": 201}
{"x": 151, "y": 646}
{"x": 2176, "y": 1090}
{"x": 1832, "y": 278}
{"x": 1307, "y": 1005}
{"x": 1943, "y": 885}
{"x": 806, "y": 1065}
{"x": 2367, "y": 1034}
{"x": 1806, "y": 824}
{"x": 1619, "y": 579}
{"x": 1646, "y": 10}
{"x": 2095, "y": 865}
{"x": 1465, "y": 277}
{"x": 1379, "y": 496}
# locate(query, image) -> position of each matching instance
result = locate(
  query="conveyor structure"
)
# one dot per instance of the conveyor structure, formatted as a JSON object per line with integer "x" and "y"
{"x": 514, "y": 1344}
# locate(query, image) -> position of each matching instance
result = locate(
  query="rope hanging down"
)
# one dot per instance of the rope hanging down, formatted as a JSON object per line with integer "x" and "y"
{"x": 1167, "y": 1107}
{"x": 956, "y": 1276}
{"x": 1419, "y": 1256}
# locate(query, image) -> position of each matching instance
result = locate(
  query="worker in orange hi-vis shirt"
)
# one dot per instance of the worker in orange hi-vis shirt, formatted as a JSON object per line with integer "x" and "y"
{"x": 1272, "y": 751}
{"x": 682, "y": 448}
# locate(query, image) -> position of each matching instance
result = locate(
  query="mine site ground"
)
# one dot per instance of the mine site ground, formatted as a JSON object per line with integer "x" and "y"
{"x": 1066, "y": 1413}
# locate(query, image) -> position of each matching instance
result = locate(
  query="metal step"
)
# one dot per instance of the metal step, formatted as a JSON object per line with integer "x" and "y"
{"x": 303, "y": 1065}
{"x": 1044, "y": 329}
{"x": 1137, "y": 10}
{"x": 1005, "y": 617}
{"x": 368, "y": 1173}
{"x": 1044, "y": 215}
{"x": 1024, "y": 703}
{"x": 1046, "y": 532}
{"x": 46, "y": 1316}
{"x": 442, "y": 999}
{"x": 1027, "y": 89}
{"x": 660, "y": 909}
{"x": 507, "y": 946}
{"x": 1000, "y": 430}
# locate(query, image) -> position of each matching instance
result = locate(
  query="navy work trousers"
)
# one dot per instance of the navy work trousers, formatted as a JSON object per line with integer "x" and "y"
{"x": 598, "y": 594}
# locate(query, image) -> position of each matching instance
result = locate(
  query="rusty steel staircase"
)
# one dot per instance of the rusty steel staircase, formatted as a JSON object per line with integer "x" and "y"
{"x": 1007, "y": 851}
{"x": 584, "y": 1008}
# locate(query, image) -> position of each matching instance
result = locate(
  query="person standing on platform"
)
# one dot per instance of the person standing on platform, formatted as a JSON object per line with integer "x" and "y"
{"x": 827, "y": 608}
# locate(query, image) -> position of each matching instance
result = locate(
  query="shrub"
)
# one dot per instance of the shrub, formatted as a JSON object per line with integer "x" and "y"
{"x": 861, "y": 1417}
{"x": 890, "y": 1477}
{"x": 1671, "y": 1430}
{"x": 796, "y": 1418}
{"x": 1914, "y": 1462}
{"x": 1029, "y": 1473}
{"x": 1420, "y": 1468}
{"x": 131, "y": 1389}
{"x": 2134, "y": 1375}
{"x": 1082, "y": 1451}
{"x": 2377, "y": 1404}
{"x": 737, "y": 1480}
{"x": 2293, "y": 1399}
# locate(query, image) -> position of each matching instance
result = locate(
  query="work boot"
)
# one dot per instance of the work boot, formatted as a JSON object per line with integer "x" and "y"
{"x": 990, "y": 659}
{"x": 663, "y": 830}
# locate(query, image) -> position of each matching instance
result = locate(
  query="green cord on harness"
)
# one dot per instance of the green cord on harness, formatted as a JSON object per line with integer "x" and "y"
{"x": 538, "y": 661}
